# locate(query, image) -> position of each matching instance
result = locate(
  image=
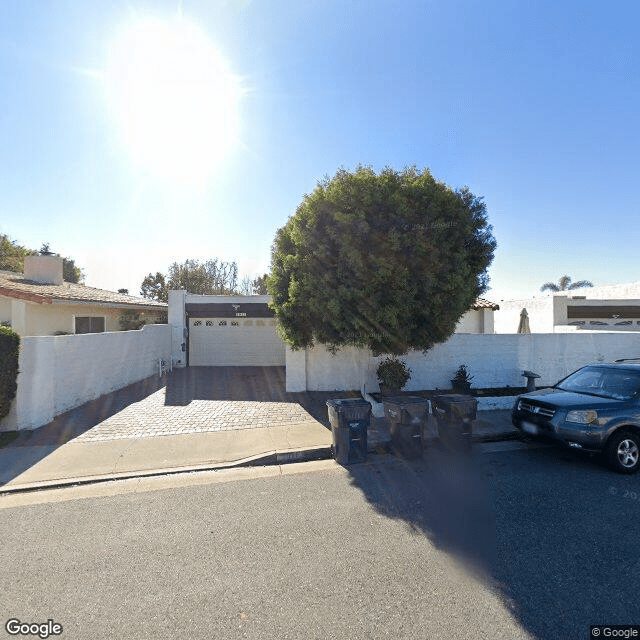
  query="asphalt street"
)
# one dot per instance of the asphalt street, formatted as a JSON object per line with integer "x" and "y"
{"x": 519, "y": 542}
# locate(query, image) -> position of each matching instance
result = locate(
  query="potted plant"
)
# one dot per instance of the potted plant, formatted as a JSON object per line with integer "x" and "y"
{"x": 393, "y": 375}
{"x": 461, "y": 381}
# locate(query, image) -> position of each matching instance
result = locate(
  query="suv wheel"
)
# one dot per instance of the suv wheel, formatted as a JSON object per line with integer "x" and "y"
{"x": 623, "y": 452}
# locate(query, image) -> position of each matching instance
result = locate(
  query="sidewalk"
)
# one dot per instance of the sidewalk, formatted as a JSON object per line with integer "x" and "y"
{"x": 25, "y": 467}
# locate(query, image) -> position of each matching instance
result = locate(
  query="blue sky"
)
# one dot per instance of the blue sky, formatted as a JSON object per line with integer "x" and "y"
{"x": 532, "y": 105}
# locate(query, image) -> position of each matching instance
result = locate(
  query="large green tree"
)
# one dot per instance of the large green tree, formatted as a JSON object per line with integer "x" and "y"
{"x": 387, "y": 261}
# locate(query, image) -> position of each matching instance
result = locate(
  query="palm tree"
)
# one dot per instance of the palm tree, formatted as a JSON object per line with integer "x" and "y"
{"x": 565, "y": 284}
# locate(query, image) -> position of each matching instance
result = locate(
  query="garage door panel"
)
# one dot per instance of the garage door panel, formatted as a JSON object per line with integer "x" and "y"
{"x": 216, "y": 342}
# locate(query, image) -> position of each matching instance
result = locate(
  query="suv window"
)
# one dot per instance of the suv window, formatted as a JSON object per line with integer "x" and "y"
{"x": 608, "y": 383}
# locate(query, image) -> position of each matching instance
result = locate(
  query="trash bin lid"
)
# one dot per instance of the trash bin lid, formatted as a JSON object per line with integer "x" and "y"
{"x": 347, "y": 403}
{"x": 404, "y": 400}
{"x": 451, "y": 399}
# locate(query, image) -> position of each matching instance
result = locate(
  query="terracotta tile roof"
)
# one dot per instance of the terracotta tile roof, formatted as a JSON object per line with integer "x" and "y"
{"x": 481, "y": 303}
{"x": 14, "y": 285}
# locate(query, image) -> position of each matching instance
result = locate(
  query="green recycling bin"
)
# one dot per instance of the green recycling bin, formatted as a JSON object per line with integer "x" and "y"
{"x": 349, "y": 418}
{"x": 407, "y": 417}
{"x": 455, "y": 413}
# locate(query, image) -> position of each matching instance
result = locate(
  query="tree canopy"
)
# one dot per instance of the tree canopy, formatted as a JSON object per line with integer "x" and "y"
{"x": 12, "y": 254}
{"x": 387, "y": 261}
{"x": 12, "y": 257}
{"x": 70, "y": 272}
{"x": 259, "y": 285}
{"x": 565, "y": 284}
{"x": 209, "y": 277}
{"x": 154, "y": 287}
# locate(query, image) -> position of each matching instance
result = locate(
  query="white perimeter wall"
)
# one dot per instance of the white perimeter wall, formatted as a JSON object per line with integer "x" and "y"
{"x": 539, "y": 310}
{"x": 58, "y": 373}
{"x": 494, "y": 360}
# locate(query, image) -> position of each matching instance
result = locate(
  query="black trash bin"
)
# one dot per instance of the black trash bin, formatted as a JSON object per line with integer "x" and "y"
{"x": 407, "y": 416}
{"x": 455, "y": 413}
{"x": 349, "y": 418}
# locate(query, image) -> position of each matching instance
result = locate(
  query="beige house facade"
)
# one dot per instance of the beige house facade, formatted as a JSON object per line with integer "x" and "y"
{"x": 39, "y": 303}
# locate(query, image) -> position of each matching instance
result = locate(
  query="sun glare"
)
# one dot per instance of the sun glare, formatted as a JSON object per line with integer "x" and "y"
{"x": 174, "y": 97}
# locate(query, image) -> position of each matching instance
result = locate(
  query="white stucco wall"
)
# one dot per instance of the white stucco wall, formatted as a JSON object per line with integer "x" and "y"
{"x": 494, "y": 360}
{"x": 605, "y": 291}
{"x": 471, "y": 322}
{"x": 476, "y": 321}
{"x": 58, "y": 373}
{"x": 540, "y": 311}
{"x": 178, "y": 327}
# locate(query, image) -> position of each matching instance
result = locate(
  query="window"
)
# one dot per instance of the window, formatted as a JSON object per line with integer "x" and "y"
{"x": 89, "y": 324}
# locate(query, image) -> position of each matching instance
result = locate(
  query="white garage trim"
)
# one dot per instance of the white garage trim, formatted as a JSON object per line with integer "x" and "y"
{"x": 224, "y": 342}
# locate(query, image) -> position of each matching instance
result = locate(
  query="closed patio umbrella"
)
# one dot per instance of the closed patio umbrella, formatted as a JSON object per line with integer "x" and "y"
{"x": 523, "y": 327}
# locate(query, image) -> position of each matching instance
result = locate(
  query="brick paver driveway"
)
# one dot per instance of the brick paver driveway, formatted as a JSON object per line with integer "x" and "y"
{"x": 191, "y": 400}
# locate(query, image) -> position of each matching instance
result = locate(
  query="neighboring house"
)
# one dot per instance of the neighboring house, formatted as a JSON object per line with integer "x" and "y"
{"x": 241, "y": 330}
{"x": 605, "y": 308}
{"x": 479, "y": 319}
{"x": 40, "y": 303}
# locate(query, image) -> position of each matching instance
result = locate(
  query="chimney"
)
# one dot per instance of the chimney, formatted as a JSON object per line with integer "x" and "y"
{"x": 45, "y": 269}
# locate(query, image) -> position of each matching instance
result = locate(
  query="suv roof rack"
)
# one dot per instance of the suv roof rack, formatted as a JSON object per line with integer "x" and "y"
{"x": 628, "y": 360}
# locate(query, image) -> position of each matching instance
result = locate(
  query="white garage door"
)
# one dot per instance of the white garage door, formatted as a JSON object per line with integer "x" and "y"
{"x": 235, "y": 342}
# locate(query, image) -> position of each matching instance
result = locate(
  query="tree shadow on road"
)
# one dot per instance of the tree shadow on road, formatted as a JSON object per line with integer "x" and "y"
{"x": 559, "y": 546}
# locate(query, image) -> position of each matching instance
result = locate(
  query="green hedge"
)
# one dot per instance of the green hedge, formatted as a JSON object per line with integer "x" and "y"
{"x": 9, "y": 351}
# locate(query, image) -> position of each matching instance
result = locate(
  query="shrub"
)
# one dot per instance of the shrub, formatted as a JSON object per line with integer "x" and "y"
{"x": 462, "y": 375}
{"x": 131, "y": 320}
{"x": 393, "y": 373}
{"x": 9, "y": 352}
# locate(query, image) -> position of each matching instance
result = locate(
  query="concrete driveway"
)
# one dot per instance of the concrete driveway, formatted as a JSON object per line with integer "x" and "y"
{"x": 194, "y": 419}
{"x": 191, "y": 400}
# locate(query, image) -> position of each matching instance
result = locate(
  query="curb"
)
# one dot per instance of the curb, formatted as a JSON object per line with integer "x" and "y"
{"x": 272, "y": 458}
